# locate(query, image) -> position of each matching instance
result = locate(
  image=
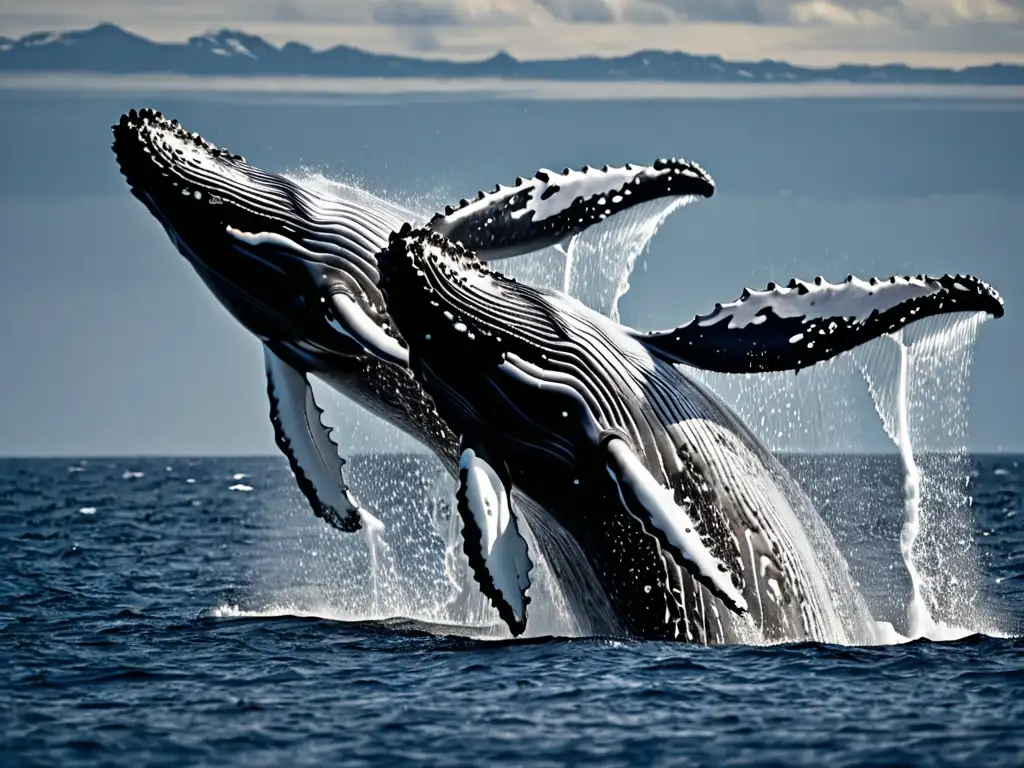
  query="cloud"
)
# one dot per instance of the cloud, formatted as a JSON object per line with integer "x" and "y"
{"x": 742, "y": 11}
{"x": 579, "y": 11}
{"x": 642, "y": 12}
{"x": 420, "y": 39}
{"x": 420, "y": 13}
{"x": 814, "y": 32}
{"x": 908, "y": 13}
{"x": 287, "y": 11}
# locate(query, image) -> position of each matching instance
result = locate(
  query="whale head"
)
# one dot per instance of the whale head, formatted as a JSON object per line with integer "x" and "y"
{"x": 288, "y": 263}
{"x": 441, "y": 292}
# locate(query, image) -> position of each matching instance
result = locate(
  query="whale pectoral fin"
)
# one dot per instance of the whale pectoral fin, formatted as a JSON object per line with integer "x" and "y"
{"x": 669, "y": 523}
{"x": 307, "y": 444}
{"x": 347, "y": 317}
{"x": 782, "y": 329}
{"x": 496, "y": 550}
{"x": 551, "y": 207}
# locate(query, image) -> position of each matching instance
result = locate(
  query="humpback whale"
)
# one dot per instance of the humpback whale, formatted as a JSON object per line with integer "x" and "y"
{"x": 298, "y": 269}
{"x": 694, "y": 530}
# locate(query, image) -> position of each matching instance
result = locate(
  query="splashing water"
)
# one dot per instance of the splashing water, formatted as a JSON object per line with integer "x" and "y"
{"x": 918, "y": 383}
{"x": 917, "y": 387}
{"x": 569, "y": 252}
{"x": 594, "y": 267}
{"x": 415, "y": 210}
{"x": 919, "y": 618}
{"x": 372, "y": 530}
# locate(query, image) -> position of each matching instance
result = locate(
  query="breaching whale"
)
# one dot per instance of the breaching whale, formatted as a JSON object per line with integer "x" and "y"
{"x": 693, "y": 528}
{"x": 298, "y": 269}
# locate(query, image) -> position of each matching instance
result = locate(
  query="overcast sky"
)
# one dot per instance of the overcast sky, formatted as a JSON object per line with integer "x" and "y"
{"x": 925, "y": 32}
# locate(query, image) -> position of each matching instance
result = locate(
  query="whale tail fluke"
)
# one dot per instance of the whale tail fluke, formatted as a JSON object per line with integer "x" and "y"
{"x": 805, "y": 323}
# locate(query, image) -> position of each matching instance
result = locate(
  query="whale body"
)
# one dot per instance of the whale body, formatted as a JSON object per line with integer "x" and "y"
{"x": 693, "y": 528}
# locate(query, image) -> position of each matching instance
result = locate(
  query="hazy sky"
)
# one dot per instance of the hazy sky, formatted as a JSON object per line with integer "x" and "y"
{"x": 927, "y": 32}
{"x": 112, "y": 345}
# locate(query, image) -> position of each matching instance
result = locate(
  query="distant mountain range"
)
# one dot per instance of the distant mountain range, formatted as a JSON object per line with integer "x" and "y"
{"x": 109, "y": 49}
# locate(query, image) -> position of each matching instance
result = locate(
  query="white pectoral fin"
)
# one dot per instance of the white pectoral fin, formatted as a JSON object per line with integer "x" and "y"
{"x": 551, "y": 207}
{"x": 351, "y": 320}
{"x": 805, "y": 323}
{"x": 655, "y": 507}
{"x": 496, "y": 550}
{"x": 307, "y": 443}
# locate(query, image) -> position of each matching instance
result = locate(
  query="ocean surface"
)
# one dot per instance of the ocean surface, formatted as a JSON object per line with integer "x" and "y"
{"x": 192, "y": 612}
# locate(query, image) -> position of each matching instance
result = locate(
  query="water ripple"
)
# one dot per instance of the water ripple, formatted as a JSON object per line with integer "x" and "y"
{"x": 162, "y": 632}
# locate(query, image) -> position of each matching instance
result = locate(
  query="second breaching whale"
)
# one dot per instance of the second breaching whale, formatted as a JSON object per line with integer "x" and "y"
{"x": 689, "y": 523}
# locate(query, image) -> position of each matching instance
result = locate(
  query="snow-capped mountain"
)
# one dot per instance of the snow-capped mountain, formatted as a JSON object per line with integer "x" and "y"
{"x": 108, "y": 48}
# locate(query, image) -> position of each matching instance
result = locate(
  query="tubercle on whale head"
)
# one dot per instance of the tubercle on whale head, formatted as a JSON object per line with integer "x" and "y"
{"x": 157, "y": 154}
{"x": 199, "y": 192}
{"x": 422, "y": 274}
{"x": 155, "y": 117}
{"x": 424, "y": 257}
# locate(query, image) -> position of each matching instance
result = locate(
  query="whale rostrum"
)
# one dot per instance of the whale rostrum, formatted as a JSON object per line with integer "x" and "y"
{"x": 694, "y": 528}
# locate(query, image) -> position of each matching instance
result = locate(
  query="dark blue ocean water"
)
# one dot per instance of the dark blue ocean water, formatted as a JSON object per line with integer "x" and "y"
{"x": 135, "y": 630}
